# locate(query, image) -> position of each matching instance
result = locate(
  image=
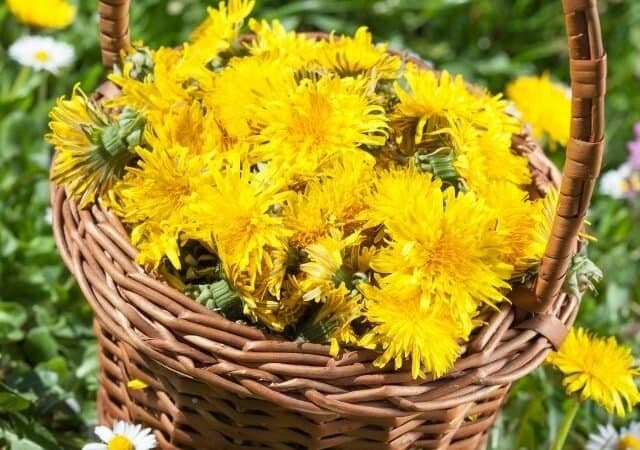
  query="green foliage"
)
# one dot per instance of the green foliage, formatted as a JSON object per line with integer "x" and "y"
{"x": 47, "y": 350}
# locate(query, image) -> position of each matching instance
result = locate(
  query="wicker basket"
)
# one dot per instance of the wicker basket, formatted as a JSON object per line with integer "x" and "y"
{"x": 216, "y": 384}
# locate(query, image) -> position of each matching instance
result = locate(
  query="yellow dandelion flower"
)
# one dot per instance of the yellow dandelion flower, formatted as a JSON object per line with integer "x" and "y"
{"x": 332, "y": 321}
{"x": 444, "y": 244}
{"x": 546, "y": 106}
{"x": 429, "y": 338}
{"x": 522, "y": 222}
{"x": 319, "y": 120}
{"x": 155, "y": 242}
{"x": 251, "y": 215}
{"x": 429, "y": 102}
{"x": 352, "y": 56}
{"x": 154, "y": 196}
{"x": 333, "y": 201}
{"x": 92, "y": 148}
{"x": 222, "y": 25}
{"x": 325, "y": 272}
{"x": 259, "y": 305}
{"x": 598, "y": 369}
{"x": 485, "y": 156}
{"x": 291, "y": 49}
{"x": 178, "y": 75}
{"x": 43, "y": 13}
{"x": 185, "y": 125}
{"x": 246, "y": 81}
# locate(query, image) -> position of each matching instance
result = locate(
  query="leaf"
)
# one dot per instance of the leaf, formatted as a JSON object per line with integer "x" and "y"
{"x": 11, "y": 402}
{"x": 12, "y": 317}
{"x": 40, "y": 345}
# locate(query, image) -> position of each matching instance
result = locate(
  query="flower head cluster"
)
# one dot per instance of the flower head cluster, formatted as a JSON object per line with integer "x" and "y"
{"x": 598, "y": 369}
{"x": 325, "y": 189}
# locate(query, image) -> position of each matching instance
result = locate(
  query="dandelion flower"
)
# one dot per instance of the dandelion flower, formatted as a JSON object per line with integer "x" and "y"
{"x": 402, "y": 329}
{"x": 154, "y": 195}
{"x": 221, "y": 222}
{"x": 524, "y": 224}
{"x": 92, "y": 147}
{"x": 246, "y": 81}
{"x": 332, "y": 321}
{"x": 186, "y": 125}
{"x": 484, "y": 156}
{"x": 430, "y": 104}
{"x": 598, "y": 369}
{"x": 325, "y": 272}
{"x": 162, "y": 90}
{"x": 332, "y": 201}
{"x": 43, "y": 13}
{"x": 42, "y": 53}
{"x": 544, "y": 105}
{"x": 442, "y": 245}
{"x": 222, "y": 24}
{"x": 352, "y": 56}
{"x": 272, "y": 40}
{"x": 317, "y": 121}
{"x": 123, "y": 436}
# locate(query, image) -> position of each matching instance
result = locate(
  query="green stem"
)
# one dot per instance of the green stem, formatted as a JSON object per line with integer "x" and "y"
{"x": 563, "y": 432}
{"x": 21, "y": 77}
{"x": 42, "y": 89}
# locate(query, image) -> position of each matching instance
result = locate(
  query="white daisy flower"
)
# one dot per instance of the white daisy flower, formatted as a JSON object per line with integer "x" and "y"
{"x": 608, "y": 438}
{"x": 42, "y": 53}
{"x": 123, "y": 436}
{"x": 613, "y": 183}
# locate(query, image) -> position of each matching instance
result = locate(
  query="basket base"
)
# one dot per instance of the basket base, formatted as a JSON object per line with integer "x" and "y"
{"x": 188, "y": 414}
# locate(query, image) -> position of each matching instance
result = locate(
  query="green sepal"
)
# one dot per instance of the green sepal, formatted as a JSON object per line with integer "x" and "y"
{"x": 218, "y": 296}
{"x": 318, "y": 332}
{"x": 441, "y": 164}
{"x": 582, "y": 275}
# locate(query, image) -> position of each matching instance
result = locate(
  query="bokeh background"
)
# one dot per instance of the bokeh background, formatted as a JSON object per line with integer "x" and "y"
{"x": 47, "y": 349}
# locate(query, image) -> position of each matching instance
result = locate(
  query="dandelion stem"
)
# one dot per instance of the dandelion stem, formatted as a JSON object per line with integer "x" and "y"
{"x": 567, "y": 423}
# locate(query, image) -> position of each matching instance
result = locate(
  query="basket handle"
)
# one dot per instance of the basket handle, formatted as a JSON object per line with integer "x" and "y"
{"x": 114, "y": 29}
{"x": 584, "y": 152}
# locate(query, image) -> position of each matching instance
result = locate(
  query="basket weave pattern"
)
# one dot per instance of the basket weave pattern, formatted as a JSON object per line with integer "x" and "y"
{"x": 216, "y": 384}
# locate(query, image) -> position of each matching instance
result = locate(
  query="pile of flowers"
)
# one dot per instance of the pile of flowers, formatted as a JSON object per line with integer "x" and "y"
{"x": 324, "y": 189}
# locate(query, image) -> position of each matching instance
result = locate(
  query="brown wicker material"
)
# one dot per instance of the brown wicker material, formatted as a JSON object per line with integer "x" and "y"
{"x": 215, "y": 384}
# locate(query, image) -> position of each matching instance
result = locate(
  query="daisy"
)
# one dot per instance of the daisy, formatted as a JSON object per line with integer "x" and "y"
{"x": 614, "y": 182}
{"x": 608, "y": 438}
{"x": 42, "y": 53}
{"x": 123, "y": 436}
